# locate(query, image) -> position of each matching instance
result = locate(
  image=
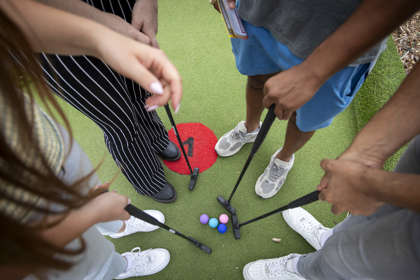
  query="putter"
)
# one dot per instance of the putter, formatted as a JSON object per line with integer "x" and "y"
{"x": 194, "y": 173}
{"x": 265, "y": 127}
{"x": 136, "y": 212}
{"x": 306, "y": 199}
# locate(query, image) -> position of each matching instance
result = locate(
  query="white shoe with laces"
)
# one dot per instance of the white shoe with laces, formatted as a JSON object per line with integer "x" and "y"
{"x": 142, "y": 263}
{"x": 306, "y": 225}
{"x": 133, "y": 225}
{"x": 282, "y": 268}
{"x": 232, "y": 141}
{"x": 274, "y": 176}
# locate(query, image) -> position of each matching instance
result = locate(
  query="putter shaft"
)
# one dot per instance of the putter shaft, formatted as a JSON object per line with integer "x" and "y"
{"x": 306, "y": 199}
{"x": 140, "y": 214}
{"x": 171, "y": 119}
{"x": 265, "y": 127}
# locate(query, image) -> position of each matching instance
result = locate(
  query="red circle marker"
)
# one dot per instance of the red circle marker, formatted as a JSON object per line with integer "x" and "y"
{"x": 199, "y": 142}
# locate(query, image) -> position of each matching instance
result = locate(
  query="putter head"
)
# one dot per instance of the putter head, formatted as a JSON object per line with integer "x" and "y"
{"x": 233, "y": 216}
{"x": 226, "y": 205}
{"x": 194, "y": 177}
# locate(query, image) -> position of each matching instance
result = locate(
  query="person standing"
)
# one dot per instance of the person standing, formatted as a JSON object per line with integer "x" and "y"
{"x": 283, "y": 58}
{"x": 133, "y": 132}
{"x": 49, "y": 216}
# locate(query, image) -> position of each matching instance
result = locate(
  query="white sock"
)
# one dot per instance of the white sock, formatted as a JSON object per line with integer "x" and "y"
{"x": 325, "y": 235}
{"x": 255, "y": 130}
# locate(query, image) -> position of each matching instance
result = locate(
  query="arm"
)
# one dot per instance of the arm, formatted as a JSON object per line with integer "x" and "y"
{"x": 111, "y": 21}
{"x": 369, "y": 24}
{"x": 105, "y": 207}
{"x": 355, "y": 182}
{"x": 145, "y": 19}
{"x": 55, "y": 31}
{"x": 391, "y": 127}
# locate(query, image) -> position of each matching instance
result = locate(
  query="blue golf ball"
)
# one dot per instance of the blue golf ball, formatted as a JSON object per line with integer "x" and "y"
{"x": 213, "y": 222}
{"x": 222, "y": 228}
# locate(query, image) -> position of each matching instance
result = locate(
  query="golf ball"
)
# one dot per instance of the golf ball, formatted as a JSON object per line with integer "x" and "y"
{"x": 222, "y": 228}
{"x": 223, "y": 218}
{"x": 204, "y": 218}
{"x": 213, "y": 223}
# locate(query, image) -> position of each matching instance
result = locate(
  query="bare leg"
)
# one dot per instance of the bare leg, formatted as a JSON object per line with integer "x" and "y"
{"x": 254, "y": 97}
{"x": 295, "y": 139}
{"x": 122, "y": 227}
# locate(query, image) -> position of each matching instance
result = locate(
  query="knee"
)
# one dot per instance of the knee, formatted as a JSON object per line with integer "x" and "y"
{"x": 257, "y": 82}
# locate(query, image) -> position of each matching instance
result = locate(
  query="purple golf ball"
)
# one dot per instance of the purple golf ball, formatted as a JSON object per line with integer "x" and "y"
{"x": 222, "y": 228}
{"x": 204, "y": 218}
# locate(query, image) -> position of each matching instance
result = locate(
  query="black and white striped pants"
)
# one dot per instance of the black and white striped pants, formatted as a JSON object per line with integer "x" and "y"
{"x": 116, "y": 104}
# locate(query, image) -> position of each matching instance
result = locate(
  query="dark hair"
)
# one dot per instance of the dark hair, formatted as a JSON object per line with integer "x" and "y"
{"x": 20, "y": 80}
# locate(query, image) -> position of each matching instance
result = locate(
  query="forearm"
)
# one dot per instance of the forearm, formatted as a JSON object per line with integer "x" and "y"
{"x": 72, "y": 226}
{"x": 52, "y": 30}
{"x": 76, "y": 7}
{"x": 393, "y": 126}
{"x": 371, "y": 22}
{"x": 394, "y": 188}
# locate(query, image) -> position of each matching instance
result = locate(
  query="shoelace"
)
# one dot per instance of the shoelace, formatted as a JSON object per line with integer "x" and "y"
{"x": 237, "y": 134}
{"x": 139, "y": 260}
{"x": 276, "y": 268}
{"x": 312, "y": 228}
{"x": 276, "y": 172}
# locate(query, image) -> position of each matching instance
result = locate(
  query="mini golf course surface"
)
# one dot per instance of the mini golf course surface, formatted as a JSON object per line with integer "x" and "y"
{"x": 193, "y": 36}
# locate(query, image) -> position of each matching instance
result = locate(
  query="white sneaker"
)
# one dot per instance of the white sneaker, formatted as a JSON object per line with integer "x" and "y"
{"x": 134, "y": 225}
{"x": 274, "y": 176}
{"x": 142, "y": 263}
{"x": 271, "y": 269}
{"x": 306, "y": 225}
{"x": 232, "y": 141}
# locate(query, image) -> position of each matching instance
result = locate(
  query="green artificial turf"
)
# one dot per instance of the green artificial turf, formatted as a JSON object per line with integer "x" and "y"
{"x": 194, "y": 38}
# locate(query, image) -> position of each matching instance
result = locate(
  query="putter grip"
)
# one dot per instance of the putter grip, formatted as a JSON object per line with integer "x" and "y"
{"x": 199, "y": 245}
{"x": 140, "y": 214}
{"x": 309, "y": 198}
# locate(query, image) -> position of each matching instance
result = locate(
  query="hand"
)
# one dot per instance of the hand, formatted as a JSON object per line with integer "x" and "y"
{"x": 119, "y": 25}
{"x": 144, "y": 19}
{"x": 343, "y": 186}
{"x": 289, "y": 90}
{"x": 215, "y": 3}
{"x": 146, "y": 65}
{"x": 109, "y": 206}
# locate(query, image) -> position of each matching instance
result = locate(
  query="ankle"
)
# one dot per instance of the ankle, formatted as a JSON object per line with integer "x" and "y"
{"x": 284, "y": 156}
{"x": 251, "y": 127}
{"x": 123, "y": 227}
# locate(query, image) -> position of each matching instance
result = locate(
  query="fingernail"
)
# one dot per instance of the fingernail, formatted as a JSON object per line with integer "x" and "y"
{"x": 151, "y": 108}
{"x": 129, "y": 201}
{"x": 177, "y": 108}
{"x": 156, "y": 88}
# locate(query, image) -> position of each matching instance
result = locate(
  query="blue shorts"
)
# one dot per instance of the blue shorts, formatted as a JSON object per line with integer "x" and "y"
{"x": 262, "y": 54}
